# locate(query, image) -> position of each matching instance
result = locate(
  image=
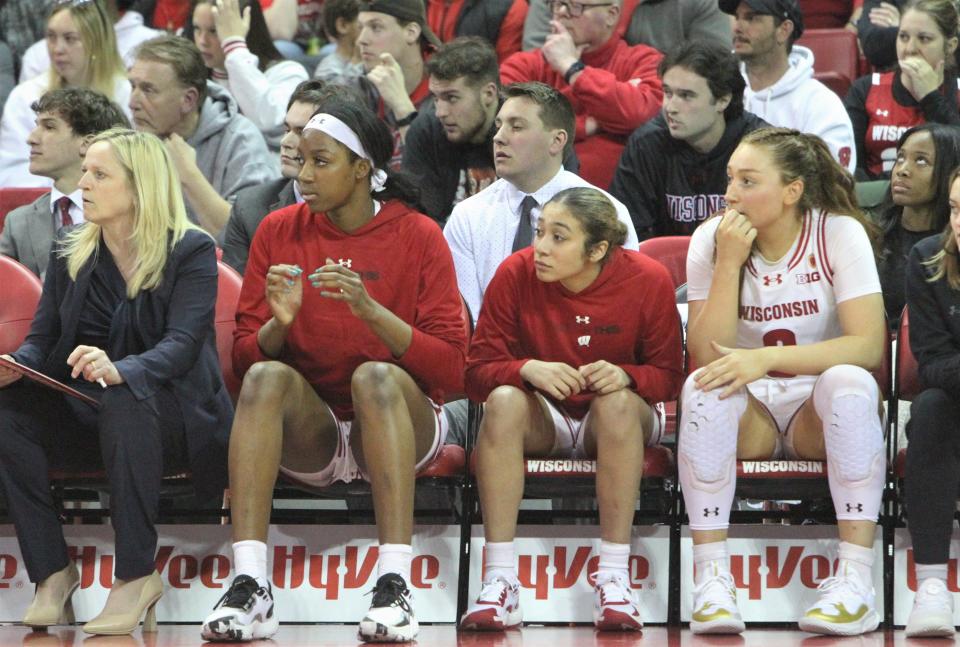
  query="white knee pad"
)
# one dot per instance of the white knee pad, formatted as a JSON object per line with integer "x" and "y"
{"x": 847, "y": 400}
{"x": 707, "y": 454}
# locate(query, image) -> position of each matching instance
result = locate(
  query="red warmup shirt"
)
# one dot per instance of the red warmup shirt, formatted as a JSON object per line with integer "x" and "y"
{"x": 442, "y": 16}
{"x": 627, "y": 317}
{"x": 619, "y": 88}
{"x": 406, "y": 267}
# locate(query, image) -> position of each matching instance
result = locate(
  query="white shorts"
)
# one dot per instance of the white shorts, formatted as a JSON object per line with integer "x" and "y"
{"x": 568, "y": 431}
{"x": 782, "y": 398}
{"x": 343, "y": 466}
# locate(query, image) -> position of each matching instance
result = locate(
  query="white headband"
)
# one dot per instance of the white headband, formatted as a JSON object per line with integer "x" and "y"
{"x": 340, "y": 131}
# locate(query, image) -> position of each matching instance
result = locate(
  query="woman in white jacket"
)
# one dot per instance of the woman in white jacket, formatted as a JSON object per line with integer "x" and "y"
{"x": 83, "y": 51}
{"x": 233, "y": 38}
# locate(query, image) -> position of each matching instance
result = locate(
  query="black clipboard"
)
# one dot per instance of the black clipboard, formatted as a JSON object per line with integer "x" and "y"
{"x": 47, "y": 381}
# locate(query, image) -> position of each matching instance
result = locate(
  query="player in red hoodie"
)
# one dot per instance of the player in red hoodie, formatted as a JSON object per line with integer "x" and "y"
{"x": 350, "y": 335}
{"x": 577, "y": 341}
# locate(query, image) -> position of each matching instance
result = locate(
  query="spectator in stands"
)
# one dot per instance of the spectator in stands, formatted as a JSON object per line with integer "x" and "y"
{"x": 171, "y": 15}
{"x": 499, "y": 22}
{"x": 549, "y": 391}
{"x": 781, "y": 89}
{"x": 254, "y": 203}
{"x": 916, "y": 204}
{"x": 673, "y": 173}
{"x": 296, "y": 28}
{"x": 237, "y": 50}
{"x": 660, "y": 25}
{"x": 613, "y": 87}
{"x": 126, "y": 318}
{"x": 449, "y": 146}
{"x": 217, "y": 150}
{"x": 830, "y": 14}
{"x": 394, "y": 41}
{"x": 784, "y": 347}
{"x": 922, "y": 88}
{"x": 81, "y": 43}
{"x": 365, "y": 402}
{"x": 67, "y": 120}
{"x": 22, "y": 23}
{"x": 8, "y": 77}
{"x": 127, "y": 26}
{"x": 933, "y": 282}
{"x": 534, "y": 126}
{"x": 342, "y": 26}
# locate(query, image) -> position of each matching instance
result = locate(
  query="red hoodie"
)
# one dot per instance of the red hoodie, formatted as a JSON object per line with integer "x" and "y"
{"x": 627, "y": 317}
{"x": 406, "y": 267}
{"x": 619, "y": 88}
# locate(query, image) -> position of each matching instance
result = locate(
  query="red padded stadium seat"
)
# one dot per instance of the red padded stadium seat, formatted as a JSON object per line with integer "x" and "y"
{"x": 658, "y": 462}
{"x": 672, "y": 252}
{"x": 785, "y": 469}
{"x": 11, "y": 198}
{"x": 908, "y": 380}
{"x": 835, "y": 56}
{"x": 228, "y": 293}
{"x": 448, "y": 463}
{"x": 21, "y": 294}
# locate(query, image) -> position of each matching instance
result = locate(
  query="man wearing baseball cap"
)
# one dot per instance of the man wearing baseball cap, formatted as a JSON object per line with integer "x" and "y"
{"x": 781, "y": 89}
{"x": 394, "y": 41}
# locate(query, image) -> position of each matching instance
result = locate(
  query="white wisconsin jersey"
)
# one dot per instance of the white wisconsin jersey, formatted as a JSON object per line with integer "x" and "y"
{"x": 793, "y": 300}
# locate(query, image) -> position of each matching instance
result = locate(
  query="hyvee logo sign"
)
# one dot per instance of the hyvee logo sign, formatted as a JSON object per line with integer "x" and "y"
{"x": 293, "y": 568}
{"x": 776, "y": 568}
{"x": 562, "y": 569}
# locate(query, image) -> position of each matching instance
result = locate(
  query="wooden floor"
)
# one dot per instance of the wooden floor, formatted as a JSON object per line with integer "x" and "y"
{"x": 444, "y": 635}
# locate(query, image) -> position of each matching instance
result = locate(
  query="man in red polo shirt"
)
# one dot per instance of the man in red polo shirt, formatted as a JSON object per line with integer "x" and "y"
{"x": 613, "y": 86}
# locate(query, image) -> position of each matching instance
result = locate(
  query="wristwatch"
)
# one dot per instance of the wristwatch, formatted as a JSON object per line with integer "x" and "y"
{"x": 406, "y": 121}
{"x": 573, "y": 69}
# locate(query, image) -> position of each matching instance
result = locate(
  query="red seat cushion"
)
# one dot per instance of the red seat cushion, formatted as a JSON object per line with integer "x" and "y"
{"x": 21, "y": 294}
{"x": 657, "y": 463}
{"x": 449, "y": 462}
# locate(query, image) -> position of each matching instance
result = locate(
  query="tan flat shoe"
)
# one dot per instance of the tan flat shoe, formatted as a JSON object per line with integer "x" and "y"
{"x": 114, "y": 623}
{"x": 52, "y": 601}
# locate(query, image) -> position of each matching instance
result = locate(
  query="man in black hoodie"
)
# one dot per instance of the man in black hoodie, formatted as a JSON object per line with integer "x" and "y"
{"x": 673, "y": 172}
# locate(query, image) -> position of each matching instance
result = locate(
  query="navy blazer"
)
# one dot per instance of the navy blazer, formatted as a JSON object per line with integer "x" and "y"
{"x": 164, "y": 336}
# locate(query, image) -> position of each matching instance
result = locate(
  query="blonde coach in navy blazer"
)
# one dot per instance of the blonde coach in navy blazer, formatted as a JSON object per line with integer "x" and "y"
{"x": 126, "y": 317}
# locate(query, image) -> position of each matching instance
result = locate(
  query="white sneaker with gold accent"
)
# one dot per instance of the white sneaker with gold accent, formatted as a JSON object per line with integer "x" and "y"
{"x": 715, "y": 606}
{"x": 845, "y": 608}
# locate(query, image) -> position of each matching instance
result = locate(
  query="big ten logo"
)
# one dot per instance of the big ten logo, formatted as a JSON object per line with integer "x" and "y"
{"x": 952, "y": 580}
{"x": 770, "y": 571}
{"x": 8, "y": 570}
{"x": 179, "y": 570}
{"x": 332, "y": 572}
{"x": 535, "y": 571}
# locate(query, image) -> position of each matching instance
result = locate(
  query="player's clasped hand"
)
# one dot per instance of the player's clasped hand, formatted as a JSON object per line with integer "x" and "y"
{"x": 7, "y": 376}
{"x": 284, "y": 292}
{"x": 736, "y": 368}
{"x": 603, "y": 377}
{"x": 342, "y": 284}
{"x": 556, "y": 379}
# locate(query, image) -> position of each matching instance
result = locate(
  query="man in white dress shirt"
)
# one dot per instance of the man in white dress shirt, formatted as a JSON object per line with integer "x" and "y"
{"x": 67, "y": 120}
{"x": 535, "y": 125}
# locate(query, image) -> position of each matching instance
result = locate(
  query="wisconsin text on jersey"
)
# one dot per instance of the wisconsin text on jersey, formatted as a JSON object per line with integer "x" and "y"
{"x": 780, "y": 311}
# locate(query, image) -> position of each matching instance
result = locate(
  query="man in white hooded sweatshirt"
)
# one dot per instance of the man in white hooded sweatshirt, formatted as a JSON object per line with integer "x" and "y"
{"x": 781, "y": 89}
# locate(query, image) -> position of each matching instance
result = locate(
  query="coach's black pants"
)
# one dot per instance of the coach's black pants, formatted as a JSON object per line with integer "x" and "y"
{"x": 131, "y": 439}
{"x": 933, "y": 474}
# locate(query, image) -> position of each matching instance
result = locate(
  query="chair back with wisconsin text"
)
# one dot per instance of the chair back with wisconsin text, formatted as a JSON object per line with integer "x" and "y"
{"x": 671, "y": 251}
{"x": 228, "y": 294}
{"x": 21, "y": 294}
{"x": 11, "y": 198}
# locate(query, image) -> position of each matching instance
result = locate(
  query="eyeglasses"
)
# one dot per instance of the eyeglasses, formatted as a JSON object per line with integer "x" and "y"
{"x": 575, "y": 9}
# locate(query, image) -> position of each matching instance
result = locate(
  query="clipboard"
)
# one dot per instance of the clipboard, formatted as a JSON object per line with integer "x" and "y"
{"x": 47, "y": 381}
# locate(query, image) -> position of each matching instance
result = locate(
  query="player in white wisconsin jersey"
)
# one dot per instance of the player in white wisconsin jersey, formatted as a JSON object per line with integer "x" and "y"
{"x": 785, "y": 323}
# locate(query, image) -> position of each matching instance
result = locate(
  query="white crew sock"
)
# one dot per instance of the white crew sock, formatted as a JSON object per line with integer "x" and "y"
{"x": 614, "y": 558}
{"x": 934, "y": 571}
{"x": 500, "y": 561}
{"x": 250, "y": 558}
{"x": 857, "y": 558}
{"x": 710, "y": 559}
{"x": 395, "y": 558}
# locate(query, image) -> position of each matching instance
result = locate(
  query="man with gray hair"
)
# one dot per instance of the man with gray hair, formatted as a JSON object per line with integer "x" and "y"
{"x": 217, "y": 151}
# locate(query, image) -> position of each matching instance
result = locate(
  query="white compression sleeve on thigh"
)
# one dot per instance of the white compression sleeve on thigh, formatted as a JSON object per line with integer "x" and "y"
{"x": 707, "y": 454}
{"x": 847, "y": 400}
